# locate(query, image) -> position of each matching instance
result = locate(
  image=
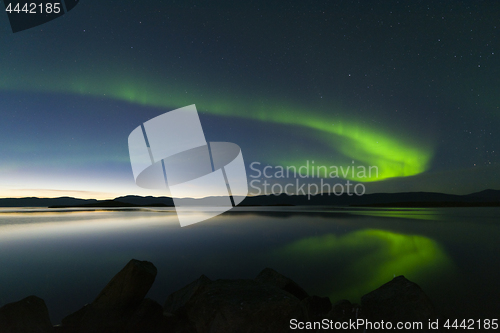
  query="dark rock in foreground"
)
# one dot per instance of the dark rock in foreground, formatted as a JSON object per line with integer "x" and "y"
{"x": 271, "y": 277}
{"x": 317, "y": 307}
{"x": 267, "y": 303}
{"x": 344, "y": 310}
{"x": 179, "y": 298}
{"x": 232, "y": 306}
{"x": 398, "y": 300}
{"x": 29, "y": 315}
{"x": 117, "y": 302}
{"x": 146, "y": 318}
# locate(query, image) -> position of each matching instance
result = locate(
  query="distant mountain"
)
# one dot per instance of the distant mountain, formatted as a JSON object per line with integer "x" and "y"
{"x": 110, "y": 203}
{"x": 44, "y": 202}
{"x": 409, "y": 199}
{"x": 146, "y": 201}
{"x": 486, "y": 195}
{"x": 406, "y": 199}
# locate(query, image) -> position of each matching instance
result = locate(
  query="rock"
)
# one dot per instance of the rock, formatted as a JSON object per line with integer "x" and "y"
{"x": 317, "y": 307}
{"x": 178, "y": 299}
{"x": 397, "y": 300}
{"x": 147, "y": 318}
{"x": 232, "y": 306}
{"x": 127, "y": 288}
{"x": 271, "y": 277}
{"x": 114, "y": 305}
{"x": 63, "y": 329}
{"x": 343, "y": 311}
{"x": 25, "y": 316}
{"x": 74, "y": 319}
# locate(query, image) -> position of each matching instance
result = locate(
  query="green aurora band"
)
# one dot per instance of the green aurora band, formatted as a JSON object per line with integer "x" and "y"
{"x": 366, "y": 259}
{"x": 394, "y": 157}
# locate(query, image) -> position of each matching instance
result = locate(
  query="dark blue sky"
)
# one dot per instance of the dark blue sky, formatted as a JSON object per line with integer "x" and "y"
{"x": 408, "y": 86}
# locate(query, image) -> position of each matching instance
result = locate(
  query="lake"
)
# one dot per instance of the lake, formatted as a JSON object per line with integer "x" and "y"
{"x": 67, "y": 256}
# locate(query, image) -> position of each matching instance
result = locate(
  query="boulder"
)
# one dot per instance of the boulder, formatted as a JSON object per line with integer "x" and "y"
{"x": 117, "y": 302}
{"x": 317, "y": 307}
{"x": 28, "y": 315}
{"x": 232, "y": 306}
{"x": 74, "y": 319}
{"x": 271, "y": 277}
{"x": 344, "y": 310}
{"x": 178, "y": 299}
{"x": 146, "y": 318}
{"x": 397, "y": 300}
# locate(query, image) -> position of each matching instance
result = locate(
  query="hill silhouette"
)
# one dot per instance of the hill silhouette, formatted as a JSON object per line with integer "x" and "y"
{"x": 486, "y": 198}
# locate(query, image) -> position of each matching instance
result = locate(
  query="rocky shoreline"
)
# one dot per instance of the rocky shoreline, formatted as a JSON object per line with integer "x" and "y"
{"x": 270, "y": 303}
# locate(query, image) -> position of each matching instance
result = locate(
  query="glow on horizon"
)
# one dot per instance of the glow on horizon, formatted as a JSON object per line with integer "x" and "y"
{"x": 90, "y": 194}
{"x": 48, "y": 193}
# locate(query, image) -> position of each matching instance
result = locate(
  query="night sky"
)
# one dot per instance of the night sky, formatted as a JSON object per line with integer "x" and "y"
{"x": 411, "y": 87}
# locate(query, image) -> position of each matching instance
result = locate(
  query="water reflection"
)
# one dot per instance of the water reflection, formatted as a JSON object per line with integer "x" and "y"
{"x": 367, "y": 258}
{"x": 67, "y": 256}
{"x": 418, "y": 214}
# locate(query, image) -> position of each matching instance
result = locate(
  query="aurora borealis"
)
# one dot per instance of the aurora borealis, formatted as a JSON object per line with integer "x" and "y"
{"x": 408, "y": 87}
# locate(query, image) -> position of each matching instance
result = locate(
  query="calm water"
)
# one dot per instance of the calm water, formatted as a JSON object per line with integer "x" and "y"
{"x": 67, "y": 257}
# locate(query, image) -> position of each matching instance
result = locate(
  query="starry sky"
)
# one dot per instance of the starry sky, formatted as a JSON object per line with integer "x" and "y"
{"x": 411, "y": 87}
